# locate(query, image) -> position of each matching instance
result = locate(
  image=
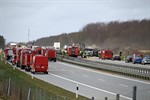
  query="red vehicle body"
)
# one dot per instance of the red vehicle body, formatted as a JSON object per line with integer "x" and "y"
{"x": 105, "y": 54}
{"x": 28, "y": 62}
{"x": 73, "y": 51}
{"x": 8, "y": 54}
{"x": 43, "y": 52}
{"x": 51, "y": 54}
{"x": 40, "y": 64}
{"x": 18, "y": 54}
{"x": 22, "y": 57}
{"x": 14, "y": 59}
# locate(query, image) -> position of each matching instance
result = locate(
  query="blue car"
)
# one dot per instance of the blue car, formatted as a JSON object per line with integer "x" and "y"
{"x": 137, "y": 59}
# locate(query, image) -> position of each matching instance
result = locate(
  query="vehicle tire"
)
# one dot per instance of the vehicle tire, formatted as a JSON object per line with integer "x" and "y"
{"x": 54, "y": 59}
{"x": 45, "y": 72}
{"x": 22, "y": 67}
{"x": 33, "y": 72}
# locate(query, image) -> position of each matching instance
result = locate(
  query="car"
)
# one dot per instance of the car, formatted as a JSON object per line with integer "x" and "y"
{"x": 146, "y": 60}
{"x": 116, "y": 57}
{"x": 128, "y": 59}
{"x": 137, "y": 59}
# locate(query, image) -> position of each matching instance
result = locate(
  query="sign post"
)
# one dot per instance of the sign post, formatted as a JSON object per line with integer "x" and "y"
{"x": 77, "y": 88}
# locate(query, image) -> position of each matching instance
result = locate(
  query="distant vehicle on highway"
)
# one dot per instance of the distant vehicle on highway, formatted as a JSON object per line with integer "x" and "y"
{"x": 146, "y": 60}
{"x": 128, "y": 59}
{"x": 116, "y": 57}
{"x": 105, "y": 54}
{"x": 137, "y": 58}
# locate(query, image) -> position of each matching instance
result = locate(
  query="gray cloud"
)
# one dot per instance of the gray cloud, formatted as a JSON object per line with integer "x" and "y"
{"x": 51, "y": 17}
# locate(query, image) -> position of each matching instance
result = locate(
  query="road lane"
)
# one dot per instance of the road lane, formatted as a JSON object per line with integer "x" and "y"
{"x": 95, "y": 84}
{"x": 111, "y": 84}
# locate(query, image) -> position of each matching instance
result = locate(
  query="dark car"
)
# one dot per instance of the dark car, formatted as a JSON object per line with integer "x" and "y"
{"x": 128, "y": 59}
{"x": 116, "y": 57}
{"x": 146, "y": 60}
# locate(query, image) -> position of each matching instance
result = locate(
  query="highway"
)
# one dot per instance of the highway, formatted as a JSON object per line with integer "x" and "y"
{"x": 94, "y": 83}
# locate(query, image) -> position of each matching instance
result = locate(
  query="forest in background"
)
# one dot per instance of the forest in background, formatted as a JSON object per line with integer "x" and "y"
{"x": 2, "y": 42}
{"x": 115, "y": 34}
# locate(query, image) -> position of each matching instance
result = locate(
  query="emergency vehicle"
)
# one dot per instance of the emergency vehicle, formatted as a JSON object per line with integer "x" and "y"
{"x": 73, "y": 51}
{"x": 22, "y": 58}
{"x": 105, "y": 54}
{"x": 51, "y": 54}
{"x": 40, "y": 64}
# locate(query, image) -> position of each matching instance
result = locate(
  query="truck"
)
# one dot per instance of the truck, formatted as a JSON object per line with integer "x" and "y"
{"x": 40, "y": 64}
{"x": 73, "y": 51}
{"x": 18, "y": 54}
{"x": 57, "y": 45}
{"x": 51, "y": 54}
{"x": 105, "y": 54}
{"x": 22, "y": 58}
{"x": 28, "y": 62}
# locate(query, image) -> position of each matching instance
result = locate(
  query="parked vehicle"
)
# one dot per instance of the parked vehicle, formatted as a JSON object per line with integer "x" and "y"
{"x": 8, "y": 54}
{"x": 73, "y": 51}
{"x": 28, "y": 62}
{"x": 51, "y": 54}
{"x": 88, "y": 52}
{"x": 137, "y": 58}
{"x": 40, "y": 64}
{"x": 14, "y": 57}
{"x": 128, "y": 59}
{"x": 116, "y": 57}
{"x": 146, "y": 60}
{"x": 105, "y": 54}
{"x": 22, "y": 58}
{"x": 18, "y": 54}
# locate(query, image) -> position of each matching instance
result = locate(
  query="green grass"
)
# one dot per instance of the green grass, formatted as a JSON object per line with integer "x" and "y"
{"x": 53, "y": 90}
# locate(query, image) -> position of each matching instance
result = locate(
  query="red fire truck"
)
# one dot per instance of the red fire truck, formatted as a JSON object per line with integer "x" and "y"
{"x": 73, "y": 51}
{"x": 51, "y": 54}
{"x": 18, "y": 54}
{"x": 105, "y": 54}
{"x": 8, "y": 54}
{"x": 22, "y": 57}
{"x": 40, "y": 64}
{"x": 28, "y": 61}
{"x": 14, "y": 58}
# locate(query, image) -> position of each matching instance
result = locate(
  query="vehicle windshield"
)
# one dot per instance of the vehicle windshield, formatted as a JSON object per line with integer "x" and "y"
{"x": 147, "y": 58}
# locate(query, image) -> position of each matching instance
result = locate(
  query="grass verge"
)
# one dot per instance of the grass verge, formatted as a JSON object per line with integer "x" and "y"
{"x": 51, "y": 89}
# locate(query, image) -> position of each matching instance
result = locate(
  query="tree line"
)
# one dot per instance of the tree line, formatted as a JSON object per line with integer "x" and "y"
{"x": 2, "y": 42}
{"x": 115, "y": 34}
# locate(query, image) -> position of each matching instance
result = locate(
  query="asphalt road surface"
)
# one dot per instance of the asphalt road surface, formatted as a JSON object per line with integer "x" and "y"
{"x": 93, "y": 83}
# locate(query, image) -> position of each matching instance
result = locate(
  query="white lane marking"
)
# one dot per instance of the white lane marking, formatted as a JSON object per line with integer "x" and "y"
{"x": 101, "y": 80}
{"x": 85, "y": 75}
{"x": 90, "y": 70}
{"x": 123, "y": 85}
{"x": 90, "y": 86}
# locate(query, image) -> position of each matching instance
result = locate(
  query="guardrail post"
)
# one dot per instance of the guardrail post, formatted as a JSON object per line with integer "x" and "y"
{"x": 29, "y": 92}
{"x": 117, "y": 97}
{"x": 106, "y": 98}
{"x": 134, "y": 93}
{"x": 8, "y": 91}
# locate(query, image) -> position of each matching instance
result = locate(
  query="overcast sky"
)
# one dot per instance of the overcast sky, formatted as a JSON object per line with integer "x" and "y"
{"x": 52, "y": 17}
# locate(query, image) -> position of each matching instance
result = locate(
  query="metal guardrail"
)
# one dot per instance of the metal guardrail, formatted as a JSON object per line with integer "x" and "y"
{"x": 139, "y": 72}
